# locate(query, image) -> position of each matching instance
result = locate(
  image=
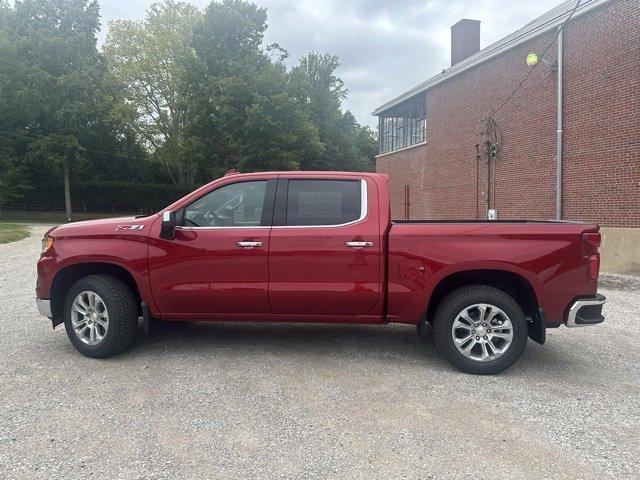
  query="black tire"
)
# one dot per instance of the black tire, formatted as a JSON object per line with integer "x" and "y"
{"x": 121, "y": 307}
{"x": 456, "y": 302}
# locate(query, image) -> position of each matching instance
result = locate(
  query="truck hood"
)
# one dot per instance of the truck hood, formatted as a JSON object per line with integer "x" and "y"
{"x": 107, "y": 226}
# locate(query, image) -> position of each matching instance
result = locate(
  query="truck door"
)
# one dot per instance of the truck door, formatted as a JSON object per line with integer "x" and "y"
{"x": 218, "y": 261}
{"x": 325, "y": 248}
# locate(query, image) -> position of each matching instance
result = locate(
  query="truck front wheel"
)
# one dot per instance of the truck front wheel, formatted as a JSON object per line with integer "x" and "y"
{"x": 480, "y": 329}
{"x": 100, "y": 316}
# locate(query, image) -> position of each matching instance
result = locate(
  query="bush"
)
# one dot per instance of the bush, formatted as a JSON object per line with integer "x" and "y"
{"x": 104, "y": 196}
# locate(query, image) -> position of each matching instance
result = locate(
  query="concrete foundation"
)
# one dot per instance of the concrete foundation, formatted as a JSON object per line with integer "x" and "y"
{"x": 620, "y": 251}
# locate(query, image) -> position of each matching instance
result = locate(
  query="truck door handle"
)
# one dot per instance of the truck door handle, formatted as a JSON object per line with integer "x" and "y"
{"x": 248, "y": 244}
{"x": 359, "y": 244}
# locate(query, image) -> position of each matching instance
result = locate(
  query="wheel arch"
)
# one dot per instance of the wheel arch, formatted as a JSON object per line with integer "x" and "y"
{"x": 512, "y": 283}
{"x": 68, "y": 275}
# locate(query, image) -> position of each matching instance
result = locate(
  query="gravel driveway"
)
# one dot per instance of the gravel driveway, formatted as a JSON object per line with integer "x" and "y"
{"x": 311, "y": 401}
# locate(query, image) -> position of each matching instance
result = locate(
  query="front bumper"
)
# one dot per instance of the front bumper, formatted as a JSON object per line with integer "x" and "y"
{"x": 586, "y": 311}
{"x": 44, "y": 307}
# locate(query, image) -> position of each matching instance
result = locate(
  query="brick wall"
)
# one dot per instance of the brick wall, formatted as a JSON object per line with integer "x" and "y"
{"x": 601, "y": 174}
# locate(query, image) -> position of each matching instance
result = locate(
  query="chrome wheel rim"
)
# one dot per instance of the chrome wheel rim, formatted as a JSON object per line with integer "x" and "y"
{"x": 482, "y": 332}
{"x": 89, "y": 317}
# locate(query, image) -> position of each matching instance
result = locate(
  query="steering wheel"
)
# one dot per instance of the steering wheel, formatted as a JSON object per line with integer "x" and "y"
{"x": 211, "y": 218}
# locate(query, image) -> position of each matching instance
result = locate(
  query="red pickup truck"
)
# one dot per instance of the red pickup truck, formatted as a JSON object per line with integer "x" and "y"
{"x": 320, "y": 247}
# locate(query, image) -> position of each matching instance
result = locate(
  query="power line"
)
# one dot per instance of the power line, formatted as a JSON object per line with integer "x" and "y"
{"x": 67, "y": 145}
{"x": 526, "y": 77}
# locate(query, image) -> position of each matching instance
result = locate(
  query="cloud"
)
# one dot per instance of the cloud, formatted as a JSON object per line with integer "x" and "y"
{"x": 386, "y": 47}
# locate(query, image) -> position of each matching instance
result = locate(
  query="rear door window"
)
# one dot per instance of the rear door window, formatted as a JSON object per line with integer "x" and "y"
{"x": 323, "y": 202}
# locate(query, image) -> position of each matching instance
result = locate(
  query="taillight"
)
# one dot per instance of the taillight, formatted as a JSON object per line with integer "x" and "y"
{"x": 590, "y": 244}
{"x": 591, "y": 239}
{"x": 594, "y": 267}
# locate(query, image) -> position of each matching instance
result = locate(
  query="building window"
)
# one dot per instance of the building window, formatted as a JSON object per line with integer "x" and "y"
{"x": 403, "y": 125}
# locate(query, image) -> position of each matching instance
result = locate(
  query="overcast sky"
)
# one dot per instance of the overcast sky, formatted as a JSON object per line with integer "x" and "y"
{"x": 386, "y": 46}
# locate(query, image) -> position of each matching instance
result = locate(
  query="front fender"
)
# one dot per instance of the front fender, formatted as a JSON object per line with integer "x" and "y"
{"x": 128, "y": 252}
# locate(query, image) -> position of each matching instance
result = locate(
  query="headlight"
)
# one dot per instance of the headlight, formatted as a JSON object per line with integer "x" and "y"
{"x": 47, "y": 243}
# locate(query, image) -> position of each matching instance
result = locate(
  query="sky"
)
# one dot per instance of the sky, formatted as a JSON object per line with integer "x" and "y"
{"x": 386, "y": 46}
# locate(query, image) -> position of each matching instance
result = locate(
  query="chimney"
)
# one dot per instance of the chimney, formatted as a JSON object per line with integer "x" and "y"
{"x": 465, "y": 39}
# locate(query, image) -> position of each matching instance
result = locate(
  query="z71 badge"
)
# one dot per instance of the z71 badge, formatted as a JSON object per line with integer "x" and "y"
{"x": 129, "y": 227}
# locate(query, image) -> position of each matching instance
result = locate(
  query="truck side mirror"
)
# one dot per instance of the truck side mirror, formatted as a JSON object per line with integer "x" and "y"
{"x": 168, "y": 226}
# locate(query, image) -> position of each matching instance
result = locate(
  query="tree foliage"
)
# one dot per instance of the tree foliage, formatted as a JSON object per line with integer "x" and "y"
{"x": 348, "y": 145}
{"x": 53, "y": 84}
{"x": 13, "y": 175}
{"x": 151, "y": 60}
{"x": 178, "y": 97}
{"x": 257, "y": 124}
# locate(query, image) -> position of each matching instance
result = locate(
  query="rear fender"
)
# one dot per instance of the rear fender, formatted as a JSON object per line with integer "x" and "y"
{"x": 448, "y": 271}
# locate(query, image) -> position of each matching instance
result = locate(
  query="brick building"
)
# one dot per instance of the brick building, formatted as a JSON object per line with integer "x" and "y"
{"x": 459, "y": 145}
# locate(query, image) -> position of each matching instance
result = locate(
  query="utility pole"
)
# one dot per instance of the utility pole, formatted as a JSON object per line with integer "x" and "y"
{"x": 67, "y": 189}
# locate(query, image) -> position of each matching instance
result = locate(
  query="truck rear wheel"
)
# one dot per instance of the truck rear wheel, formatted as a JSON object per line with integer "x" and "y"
{"x": 480, "y": 329}
{"x": 100, "y": 316}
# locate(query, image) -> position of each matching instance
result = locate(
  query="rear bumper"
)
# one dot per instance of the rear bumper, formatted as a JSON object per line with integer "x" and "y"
{"x": 44, "y": 307}
{"x": 586, "y": 311}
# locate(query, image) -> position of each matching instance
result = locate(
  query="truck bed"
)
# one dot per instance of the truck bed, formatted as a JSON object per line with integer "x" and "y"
{"x": 548, "y": 255}
{"x": 485, "y": 221}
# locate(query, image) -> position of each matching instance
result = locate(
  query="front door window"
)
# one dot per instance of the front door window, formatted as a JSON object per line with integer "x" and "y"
{"x": 235, "y": 205}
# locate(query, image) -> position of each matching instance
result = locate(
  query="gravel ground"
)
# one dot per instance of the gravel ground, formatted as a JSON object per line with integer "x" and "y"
{"x": 311, "y": 401}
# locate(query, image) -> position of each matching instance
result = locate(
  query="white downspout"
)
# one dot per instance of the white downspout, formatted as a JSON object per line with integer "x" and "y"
{"x": 559, "y": 127}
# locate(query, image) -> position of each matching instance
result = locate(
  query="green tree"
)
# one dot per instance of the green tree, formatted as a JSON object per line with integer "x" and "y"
{"x": 276, "y": 136}
{"x": 152, "y": 60}
{"x": 195, "y": 92}
{"x": 229, "y": 38}
{"x": 111, "y": 119}
{"x": 13, "y": 175}
{"x": 348, "y": 145}
{"x": 251, "y": 121}
{"x": 14, "y": 180}
{"x": 54, "y": 82}
{"x": 57, "y": 151}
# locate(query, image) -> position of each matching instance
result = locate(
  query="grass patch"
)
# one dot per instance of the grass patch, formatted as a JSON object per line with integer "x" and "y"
{"x": 12, "y": 232}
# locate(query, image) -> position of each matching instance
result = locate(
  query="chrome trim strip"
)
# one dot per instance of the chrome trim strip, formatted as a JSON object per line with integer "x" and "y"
{"x": 182, "y": 227}
{"x": 364, "y": 209}
{"x": 577, "y": 305}
{"x": 44, "y": 307}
